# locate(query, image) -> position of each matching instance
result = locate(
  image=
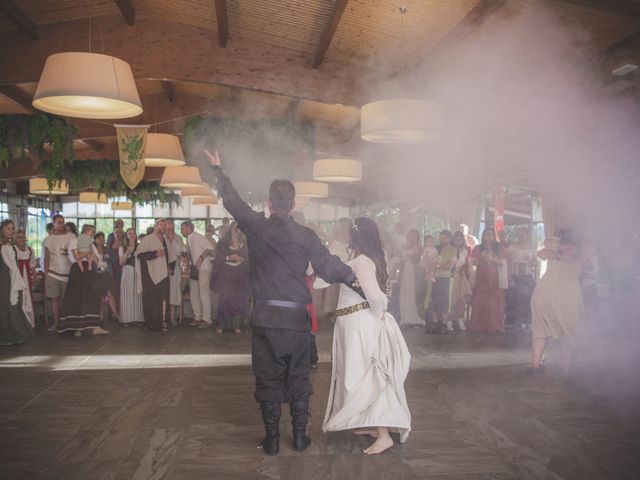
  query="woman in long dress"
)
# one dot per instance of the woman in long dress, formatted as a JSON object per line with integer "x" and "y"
{"x": 487, "y": 311}
{"x": 231, "y": 280}
{"x": 370, "y": 357}
{"x": 27, "y": 263}
{"x": 14, "y": 324}
{"x": 557, "y": 307}
{"x": 130, "y": 299}
{"x": 410, "y": 276}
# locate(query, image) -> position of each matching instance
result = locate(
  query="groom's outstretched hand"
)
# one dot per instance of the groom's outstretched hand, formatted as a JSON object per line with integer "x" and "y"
{"x": 214, "y": 159}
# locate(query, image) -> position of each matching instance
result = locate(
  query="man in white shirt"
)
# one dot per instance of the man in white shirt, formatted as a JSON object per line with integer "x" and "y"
{"x": 200, "y": 251}
{"x": 56, "y": 266}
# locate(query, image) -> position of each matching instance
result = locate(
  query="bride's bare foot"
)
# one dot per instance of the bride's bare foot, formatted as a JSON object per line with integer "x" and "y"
{"x": 372, "y": 432}
{"x": 380, "y": 445}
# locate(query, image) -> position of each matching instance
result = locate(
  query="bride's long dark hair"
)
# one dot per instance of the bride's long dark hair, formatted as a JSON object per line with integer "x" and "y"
{"x": 364, "y": 239}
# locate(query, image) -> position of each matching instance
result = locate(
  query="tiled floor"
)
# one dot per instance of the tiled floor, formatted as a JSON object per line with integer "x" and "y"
{"x": 138, "y": 405}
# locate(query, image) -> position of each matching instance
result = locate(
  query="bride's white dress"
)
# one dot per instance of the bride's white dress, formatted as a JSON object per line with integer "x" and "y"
{"x": 370, "y": 362}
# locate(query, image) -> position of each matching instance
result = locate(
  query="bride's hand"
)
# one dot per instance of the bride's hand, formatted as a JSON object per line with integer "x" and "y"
{"x": 214, "y": 159}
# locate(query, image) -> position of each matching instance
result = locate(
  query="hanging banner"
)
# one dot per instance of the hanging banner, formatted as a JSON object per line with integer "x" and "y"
{"x": 131, "y": 142}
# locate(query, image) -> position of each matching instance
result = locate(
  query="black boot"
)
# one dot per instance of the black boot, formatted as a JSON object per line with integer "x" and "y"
{"x": 299, "y": 416}
{"x": 271, "y": 418}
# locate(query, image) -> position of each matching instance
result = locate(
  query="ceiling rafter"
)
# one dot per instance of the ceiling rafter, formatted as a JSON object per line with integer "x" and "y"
{"x": 18, "y": 96}
{"x": 329, "y": 32}
{"x": 168, "y": 89}
{"x": 223, "y": 22}
{"x": 126, "y": 8}
{"x": 19, "y": 19}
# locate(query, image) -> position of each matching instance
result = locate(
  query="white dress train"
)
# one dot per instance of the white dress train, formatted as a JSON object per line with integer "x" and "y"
{"x": 370, "y": 362}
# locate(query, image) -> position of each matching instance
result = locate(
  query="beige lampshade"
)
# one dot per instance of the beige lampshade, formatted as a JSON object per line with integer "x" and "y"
{"x": 87, "y": 85}
{"x": 400, "y": 121}
{"x": 122, "y": 206}
{"x": 39, "y": 186}
{"x": 337, "y": 170}
{"x": 301, "y": 201}
{"x": 163, "y": 150}
{"x": 93, "y": 197}
{"x": 312, "y": 189}
{"x": 210, "y": 200}
{"x": 202, "y": 191}
{"x": 181, "y": 177}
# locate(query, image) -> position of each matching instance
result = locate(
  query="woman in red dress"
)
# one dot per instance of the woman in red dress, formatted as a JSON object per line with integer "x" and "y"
{"x": 487, "y": 311}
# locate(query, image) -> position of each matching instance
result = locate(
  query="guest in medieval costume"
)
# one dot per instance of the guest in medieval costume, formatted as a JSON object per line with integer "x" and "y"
{"x": 130, "y": 298}
{"x": 114, "y": 242}
{"x": 441, "y": 291}
{"x": 557, "y": 304}
{"x": 523, "y": 266}
{"x": 14, "y": 324}
{"x": 56, "y": 266}
{"x": 200, "y": 252}
{"x": 487, "y": 311}
{"x": 82, "y": 301}
{"x": 411, "y": 279}
{"x": 27, "y": 263}
{"x": 154, "y": 258}
{"x": 280, "y": 251}
{"x": 176, "y": 245}
{"x": 428, "y": 262}
{"x": 231, "y": 280}
{"x": 106, "y": 259}
{"x": 460, "y": 286}
{"x": 370, "y": 356}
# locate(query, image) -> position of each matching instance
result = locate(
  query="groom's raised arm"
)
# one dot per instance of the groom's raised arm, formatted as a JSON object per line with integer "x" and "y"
{"x": 238, "y": 208}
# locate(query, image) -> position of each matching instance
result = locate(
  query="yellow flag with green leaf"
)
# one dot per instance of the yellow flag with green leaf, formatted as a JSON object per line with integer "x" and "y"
{"x": 131, "y": 142}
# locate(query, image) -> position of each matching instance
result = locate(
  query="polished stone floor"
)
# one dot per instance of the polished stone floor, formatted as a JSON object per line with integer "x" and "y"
{"x": 139, "y": 405}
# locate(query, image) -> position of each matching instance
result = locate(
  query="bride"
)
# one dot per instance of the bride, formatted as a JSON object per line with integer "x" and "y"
{"x": 370, "y": 356}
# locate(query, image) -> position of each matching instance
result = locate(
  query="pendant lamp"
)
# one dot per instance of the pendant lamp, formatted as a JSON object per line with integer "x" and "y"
{"x": 93, "y": 197}
{"x": 87, "y": 85}
{"x": 210, "y": 200}
{"x": 337, "y": 170}
{"x": 122, "y": 206}
{"x": 163, "y": 150}
{"x": 40, "y": 186}
{"x": 400, "y": 121}
{"x": 312, "y": 189}
{"x": 181, "y": 177}
{"x": 202, "y": 191}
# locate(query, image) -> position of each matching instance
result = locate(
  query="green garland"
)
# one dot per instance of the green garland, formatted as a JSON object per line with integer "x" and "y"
{"x": 22, "y": 135}
{"x": 103, "y": 176}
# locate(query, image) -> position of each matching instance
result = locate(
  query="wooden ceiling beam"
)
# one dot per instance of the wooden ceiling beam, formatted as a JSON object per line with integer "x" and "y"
{"x": 620, "y": 35}
{"x": 93, "y": 144}
{"x": 16, "y": 95}
{"x": 623, "y": 7}
{"x": 168, "y": 89}
{"x": 19, "y": 19}
{"x": 127, "y": 11}
{"x": 223, "y": 22}
{"x": 329, "y": 32}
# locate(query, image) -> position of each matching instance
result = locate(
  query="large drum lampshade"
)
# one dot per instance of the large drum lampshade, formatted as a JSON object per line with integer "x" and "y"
{"x": 181, "y": 177}
{"x": 93, "y": 197}
{"x": 163, "y": 150}
{"x": 87, "y": 85}
{"x": 312, "y": 189}
{"x": 337, "y": 170}
{"x": 400, "y": 121}
{"x": 40, "y": 186}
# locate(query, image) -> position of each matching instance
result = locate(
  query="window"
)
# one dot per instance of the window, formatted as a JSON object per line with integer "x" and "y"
{"x": 37, "y": 219}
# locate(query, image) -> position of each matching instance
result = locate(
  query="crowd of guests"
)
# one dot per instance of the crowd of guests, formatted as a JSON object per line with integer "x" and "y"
{"x": 137, "y": 279}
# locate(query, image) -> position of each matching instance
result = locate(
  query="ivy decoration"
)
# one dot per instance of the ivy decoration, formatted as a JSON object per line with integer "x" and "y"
{"x": 27, "y": 135}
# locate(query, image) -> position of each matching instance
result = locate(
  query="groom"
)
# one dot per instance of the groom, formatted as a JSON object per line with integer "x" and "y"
{"x": 280, "y": 251}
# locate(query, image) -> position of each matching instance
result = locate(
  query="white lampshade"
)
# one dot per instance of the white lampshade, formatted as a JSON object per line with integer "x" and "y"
{"x": 210, "y": 200}
{"x": 87, "y": 85}
{"x": 181, "y": 177}
{"x": 121, "y": 206}
{"x": 39, "y": 186}
{"x": 337, "y": 170}
{"x": 400, "y": 121}
{"x": 93, "y": 197}
{"x": 202, "y": 191}
{"x": 312, "y": 189}
{"x": 163, "y": 150}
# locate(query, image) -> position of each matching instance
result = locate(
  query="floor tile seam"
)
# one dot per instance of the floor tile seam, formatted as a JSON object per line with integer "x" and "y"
{"x": 70, "y": 372}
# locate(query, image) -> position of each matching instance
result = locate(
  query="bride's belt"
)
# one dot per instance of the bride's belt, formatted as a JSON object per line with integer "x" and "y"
{"x": 341, "y": 312}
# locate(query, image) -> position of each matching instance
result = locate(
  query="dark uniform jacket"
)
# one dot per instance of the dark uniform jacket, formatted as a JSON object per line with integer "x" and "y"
{"x": 280, "y": 251}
